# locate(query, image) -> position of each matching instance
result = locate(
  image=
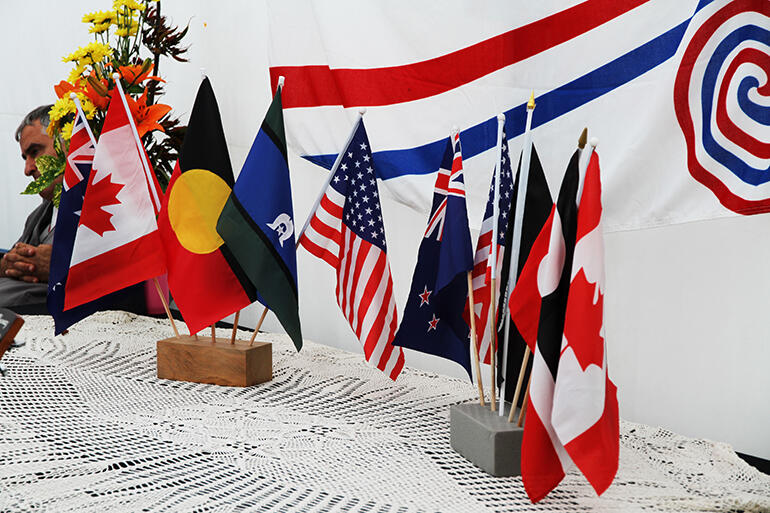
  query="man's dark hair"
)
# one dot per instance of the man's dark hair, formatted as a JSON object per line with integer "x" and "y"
{"x": 38, "y": 114}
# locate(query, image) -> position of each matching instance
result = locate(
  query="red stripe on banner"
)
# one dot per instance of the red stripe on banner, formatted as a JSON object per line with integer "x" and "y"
{"x": 726, "y": 126}
{"x": 116, "y": 269}
{"x": 541, "y": 469}
{"x": 313, "y": 86}
{"x": 596, "y": 451}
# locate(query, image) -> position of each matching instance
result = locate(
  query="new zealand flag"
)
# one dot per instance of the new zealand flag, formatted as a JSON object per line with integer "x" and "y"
{"x": 433, "y": 319}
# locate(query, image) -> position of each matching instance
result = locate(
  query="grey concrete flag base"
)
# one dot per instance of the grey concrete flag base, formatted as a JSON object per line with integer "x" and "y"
{"x": 486, "y": 439}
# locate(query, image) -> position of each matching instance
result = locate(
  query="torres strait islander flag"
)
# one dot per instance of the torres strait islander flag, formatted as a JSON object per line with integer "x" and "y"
{"x": 203, "y": 276}
{"x": 678, "y": 90}
{"x": 117, "y": 242}
{"x": 257, "y": 223}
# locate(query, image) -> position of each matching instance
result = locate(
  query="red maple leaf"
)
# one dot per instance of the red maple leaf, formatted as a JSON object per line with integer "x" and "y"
{"x": 99, "y": 195}
{"x": 583, "y": 322}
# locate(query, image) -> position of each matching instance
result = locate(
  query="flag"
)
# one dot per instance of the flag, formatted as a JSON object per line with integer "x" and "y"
{"x": 707, "y": 125}
{"x": 433, "y": 321}
{"x": 537, "y": 208}
{"x": 537, "y": 306}
{"x": 77, "y": 170}
{"x": 585, "y": 404}
{"x": 348, "y": 233}
{"x": 257, "y": 223}
{"x": 117, "y": 242}
{"x": 203, "y": 275}
{"x": 482, "y": 264}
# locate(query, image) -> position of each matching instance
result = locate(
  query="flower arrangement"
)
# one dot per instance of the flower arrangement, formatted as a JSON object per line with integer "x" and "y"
{"x": 120, "y": 36}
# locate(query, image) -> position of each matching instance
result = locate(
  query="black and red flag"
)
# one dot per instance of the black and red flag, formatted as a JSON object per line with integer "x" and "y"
{"x": 537, "y": 306}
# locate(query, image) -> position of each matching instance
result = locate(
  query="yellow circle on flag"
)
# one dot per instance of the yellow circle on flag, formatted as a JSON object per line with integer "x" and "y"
{"x": 196, "y": 200}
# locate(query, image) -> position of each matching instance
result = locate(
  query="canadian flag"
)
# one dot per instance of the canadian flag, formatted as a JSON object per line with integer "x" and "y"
{"x": 117, "y": 242}
{"x": 585, "y": 404}
{"x": 557, "y": 306}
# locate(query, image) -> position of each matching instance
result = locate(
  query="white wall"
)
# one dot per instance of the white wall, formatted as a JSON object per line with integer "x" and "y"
{"x": 686, "y": 320}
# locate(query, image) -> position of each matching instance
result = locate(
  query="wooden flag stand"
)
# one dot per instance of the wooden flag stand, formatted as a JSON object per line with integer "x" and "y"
{"x": 218, "y": 362}
{"x": 10, "y": 324}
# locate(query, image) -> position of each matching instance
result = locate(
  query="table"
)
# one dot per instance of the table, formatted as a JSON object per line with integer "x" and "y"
{"x": 85, "y": 425}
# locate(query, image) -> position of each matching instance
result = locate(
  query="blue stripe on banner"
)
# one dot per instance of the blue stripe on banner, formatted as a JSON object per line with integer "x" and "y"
{"x": 426, "y": 159}
{"x": 731, "y": 161}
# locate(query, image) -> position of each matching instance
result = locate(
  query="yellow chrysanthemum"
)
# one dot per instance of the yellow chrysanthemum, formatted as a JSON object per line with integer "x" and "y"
{"x": 88, "y": 17}
{"x": 123, "y": 32}
{"x": 128, "y": 4}
{"x": 104, "y": 17}
{"x": 89, "y": 109}
{"x": 98, "y": 28}
{"x": 61, "y": 109}
{"x": 66, "y": 131}
{"x": 76, "y": 73}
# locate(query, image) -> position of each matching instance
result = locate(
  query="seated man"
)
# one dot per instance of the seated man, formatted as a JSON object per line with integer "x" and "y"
{"x": 24, "y": 269}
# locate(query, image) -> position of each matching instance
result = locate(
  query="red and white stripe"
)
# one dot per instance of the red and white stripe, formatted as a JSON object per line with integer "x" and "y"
{"x": 364, "y": 283}
{"x": 482, "y": 284}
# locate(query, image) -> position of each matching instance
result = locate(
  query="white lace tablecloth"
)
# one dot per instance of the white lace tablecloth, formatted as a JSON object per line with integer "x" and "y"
{"x": 86, "y": 426}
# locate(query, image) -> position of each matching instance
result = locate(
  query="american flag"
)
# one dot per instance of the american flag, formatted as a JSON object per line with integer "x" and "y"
{"x": 348, "y": 233}
{"x": 81, "y": 152}
{"x": 482, "y": 260}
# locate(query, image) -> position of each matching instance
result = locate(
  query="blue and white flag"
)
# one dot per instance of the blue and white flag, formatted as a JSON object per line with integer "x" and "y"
{"x": 433, "y": 319}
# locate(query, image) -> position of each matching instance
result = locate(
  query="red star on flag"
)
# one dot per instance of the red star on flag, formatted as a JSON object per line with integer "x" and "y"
{"x": 424, "y": 297}
{"x": 432, "y": 323}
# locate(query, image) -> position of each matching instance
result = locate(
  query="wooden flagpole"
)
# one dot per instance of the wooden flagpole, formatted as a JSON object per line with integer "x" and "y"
{"x": 235, "y": 326}
{"x": 524, "y": 406}
{"x": 519, "y": 382}
{"x": 518, "y": 226}
{"x": 214, "y": 333}
{"x": 259, "y": 325}
{"x": 472, "y": 317}
{"x": 165, "y": 306}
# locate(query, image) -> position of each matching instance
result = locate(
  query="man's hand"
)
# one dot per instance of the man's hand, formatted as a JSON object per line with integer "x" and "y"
{"x": 27, "y": 263}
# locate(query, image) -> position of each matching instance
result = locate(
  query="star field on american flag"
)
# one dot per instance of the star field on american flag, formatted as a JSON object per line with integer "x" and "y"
{"x": 356, "y": 180}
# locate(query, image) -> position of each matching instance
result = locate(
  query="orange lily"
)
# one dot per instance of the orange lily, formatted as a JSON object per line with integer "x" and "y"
{"x": 100, "y": 101}
{"x": 135, "y": 75}
{"x": 146, "y": 117}
{"x": 64, "y": 88}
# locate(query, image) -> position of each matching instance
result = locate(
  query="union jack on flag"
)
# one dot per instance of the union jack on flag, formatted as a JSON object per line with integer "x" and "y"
{"x": 449, "y": 183}
{"x": 347, "y": 232}
{"x": 81, "y": 154}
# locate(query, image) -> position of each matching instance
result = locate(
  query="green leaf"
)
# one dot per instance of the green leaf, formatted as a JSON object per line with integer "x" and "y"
{"x": 50, "y": 168}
